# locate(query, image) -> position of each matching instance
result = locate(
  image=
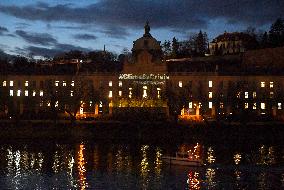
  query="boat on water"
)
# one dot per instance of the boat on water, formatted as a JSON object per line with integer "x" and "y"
{"x": 183, "y": 158}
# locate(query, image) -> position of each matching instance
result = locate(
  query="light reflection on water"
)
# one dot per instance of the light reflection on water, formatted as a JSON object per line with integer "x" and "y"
{"x": 110, "y": 166}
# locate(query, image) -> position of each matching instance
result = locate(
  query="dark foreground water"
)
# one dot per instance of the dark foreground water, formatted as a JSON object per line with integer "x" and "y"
{"x": 97, "y": 165}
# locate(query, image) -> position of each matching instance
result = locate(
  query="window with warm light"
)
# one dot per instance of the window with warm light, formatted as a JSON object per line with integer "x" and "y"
{"x": 279, "y": 106}
{"x": 210, "y": 105}
{"x": 64, "y": 83}
{"x": 130, "y": 93}
{"x": 120, "y": 83}
{"x": 11, "y": 93}
{"x": 190, "y": 105}
{"x": 4, "y": 83}
{"x": 110, "y": 83}
{"x": 11, "y": 83}
{"x": 254, "y": 106}
{"x": 41, "y": 93}
{"x": 26, "y": 83}
{"x": 271, "y": 84}
{"x": 246, "y": 94}
{"x": 210, "y": 84}
{"x": 56, "y": 83}
{"x": 34, "y": 93}
{"x": 262, "y": 84}
{"x": 72, "y": 83}
{"x": 110, "y": 94}
{"x": 221, "y": 105}
{"x": 144, "y": 91}
{"x": 239, "y": 95}
{"x": 158, "y": 93}
{"x": 120, "y": 93}
{"x": 56, "y": 103}
{"x": 210, "y": 95}
{"x": 262, "y": 105}
{"x": 18, "y": 92}
{"x": 180, "y": 84}
{"x": 26, "y": 93}
{"x": 254, "y": 94}
{"x": 271, "y": 94}
{"x": 71, "y": 93}
{"x": 246, "y": 105}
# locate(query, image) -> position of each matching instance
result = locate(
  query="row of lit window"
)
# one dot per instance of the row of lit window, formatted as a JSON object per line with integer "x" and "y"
{"x": 210, "y": 84}
{"x": 64, "y": 83}
{"x": 26, "y": 92}
{"x": 130, "y": 93}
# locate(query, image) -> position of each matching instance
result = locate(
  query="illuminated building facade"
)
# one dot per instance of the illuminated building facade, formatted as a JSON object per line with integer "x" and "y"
{"x": 145, "y": 82}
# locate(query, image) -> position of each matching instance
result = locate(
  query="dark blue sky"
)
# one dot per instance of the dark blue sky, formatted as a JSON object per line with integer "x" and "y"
{"x": 50, "y": 26}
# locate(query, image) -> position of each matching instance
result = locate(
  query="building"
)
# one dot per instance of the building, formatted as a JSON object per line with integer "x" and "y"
{"x": 147, "y": 82}
{"x": 231, "y": 43}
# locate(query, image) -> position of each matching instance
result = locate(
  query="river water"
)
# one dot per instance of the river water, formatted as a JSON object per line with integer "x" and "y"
{"x": 108, "y": 165}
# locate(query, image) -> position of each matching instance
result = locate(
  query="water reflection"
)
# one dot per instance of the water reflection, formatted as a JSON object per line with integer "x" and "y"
{"x": 81, "y": 167}
{"x": 124, "y": 166}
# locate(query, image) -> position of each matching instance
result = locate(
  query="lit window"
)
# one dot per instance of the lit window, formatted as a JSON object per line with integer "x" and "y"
{"x": 72, "y": 83}
{"x": 180, "y": 84}
{"x": 41, "y": 93}
{"x": 190, "y": 105}
{"x": 210, "y": 104}
{"x": 11, "y": 83}
{"x": 56, "y": 83}
{"x": 279, "y": 105}
{"x": 130, "y": 93}
{"x": 56, "y": 103}
{"x": 262, "y": 106}
{"x": 64, "y": 83}
{"x": 246, "y": 105}
{"x": 71, "y": 93}
{"x": 254, "y": 106}
{"x": 120, "y": 83}
{"x": 271, "y": 94}
{"x": 254, "y": 94}
{"x": 18, "y": 92}
{"x": 210, "y": 84}
{"x": 144, "y": 91}
{"x": 158, "y": 93}
{"x": 4, "y": 83}
{"x": 110, "y": 94}
{"x": 48, "y": 104}
{"x": 246, "y": 94}
{"x": 271, "y": 84}
{"x": 221, "y": 105}
{"x": 101, "y": 104}
{"x": 34, "y": 92}
{"x": 26, "y": 93}
{"x": 262, "y": 84}
{"x": 26, "y": 83}
{"x": 110, "y": 83}
{"x": 210, "y": 94}
{"x": 120, "y": 93}
{"x": 11, "y": 92}
{"x": 239, "y": 95}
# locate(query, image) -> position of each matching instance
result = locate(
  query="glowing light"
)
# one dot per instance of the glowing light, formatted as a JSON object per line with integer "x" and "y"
{"x": 271, "y": 85}
{"x": 11, "y": 92}
{"x": 11, "y": 83}
{"x": 210, "y": 104}
{"x": 120, "y": 93}
{"x": 56, "y": 83}
{"x": 180, "y": 84}
{"x": 34, "y": 92}
{"x": 81, "y": 167}
{"x": 72, "y": 83}
{"x": 210, "y": 84}
{"x": 210, "y": 95}
{"x": 26, "y": 93}
{"x": 81, "y": 110}
{"x": 210, "y": 155}
{"x": 18, "y": 92}
{"x": 246, "y": 94}
{"x": 26, "y": 83}
{"x": 64, "y": 83}
{"x": 41, "y": 93}
{"x": 71, "y": 93}
{"x": 254, "y": 94}
{"x": 237, "y": 158}
{"x": 262, "y": 84}
{"x": 279, "y": 106}
{"x": 190, "y": 105}
{"x": 144, "y": 91}
{"x": 193, "y": 180}
{"x": 262, "y": 105}
{"x": 110, "y": 83}
{"x": 110, "y": 94}
{"x": 4, "y": 83}
{"x": 254, "y": 106}
{"x": 120, "y": 83}
{"x": 246, "y": 105}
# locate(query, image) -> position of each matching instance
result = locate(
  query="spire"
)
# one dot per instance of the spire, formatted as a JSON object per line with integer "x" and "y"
{"x": 147, "y": 29}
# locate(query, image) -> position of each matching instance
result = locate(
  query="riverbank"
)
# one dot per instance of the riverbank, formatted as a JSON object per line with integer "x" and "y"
{"x": 144, "y": 132}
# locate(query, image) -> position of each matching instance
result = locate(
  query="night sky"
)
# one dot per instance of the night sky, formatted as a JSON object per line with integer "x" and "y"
{"x": 48, "y": 27}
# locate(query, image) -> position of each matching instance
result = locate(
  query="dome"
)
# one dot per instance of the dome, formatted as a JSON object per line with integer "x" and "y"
{"x": 147, "y": 42}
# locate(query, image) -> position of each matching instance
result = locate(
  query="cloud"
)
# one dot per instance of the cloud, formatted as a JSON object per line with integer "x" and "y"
{"x": 115, "y": 32}
{"x": 37, "y": 38}
{"x": 85, "y": 37}
{"x": 3, "y": 30}
{"x": 51, "y": 52}
{"x": 173, "y": 14}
